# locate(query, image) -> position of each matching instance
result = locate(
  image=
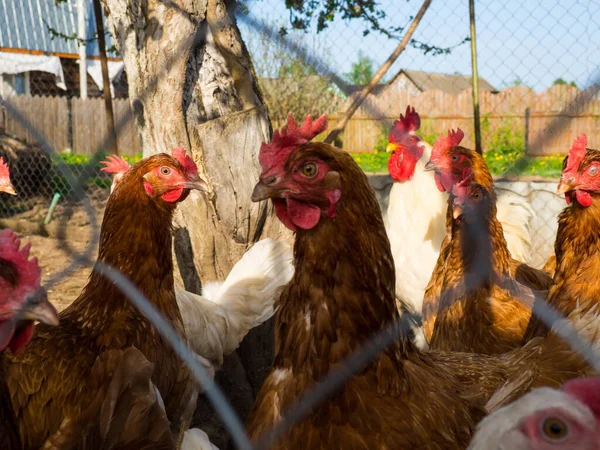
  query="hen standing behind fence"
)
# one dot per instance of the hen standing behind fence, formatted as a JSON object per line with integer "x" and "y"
{"x": 342, "y": 293}
{"x": 416, "y": 215}
{"x": 49, "y": 381}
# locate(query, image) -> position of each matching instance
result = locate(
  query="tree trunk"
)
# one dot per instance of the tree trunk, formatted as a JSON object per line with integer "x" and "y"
{"x": 192, "y": 85}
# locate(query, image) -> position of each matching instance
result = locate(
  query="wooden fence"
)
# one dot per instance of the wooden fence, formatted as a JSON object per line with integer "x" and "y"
{"x": 574, "y": 111}
{"x": 81, "y": 124}
{"x": 75, "y": 124}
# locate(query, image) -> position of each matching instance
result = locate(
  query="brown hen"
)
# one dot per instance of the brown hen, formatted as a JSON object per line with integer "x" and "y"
{"x": 577, "y": 245}
{"x": 450, "y": 162}
{"x": 342, "y": 293}
{"x": 50, "y": 380}
{"x": 482, "y": 308}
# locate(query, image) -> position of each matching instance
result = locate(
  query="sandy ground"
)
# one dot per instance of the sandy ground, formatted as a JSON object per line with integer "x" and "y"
{"x": 54, "y": 258}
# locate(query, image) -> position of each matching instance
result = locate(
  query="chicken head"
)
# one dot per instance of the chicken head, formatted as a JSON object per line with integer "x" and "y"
{"x": 448, "y": 160}
{"x": 297, "y": 178}
{"x": 546, "y": 419}
{"x": 22, "y": 298}
{"x": 405, "y": 145}
{"x": 169, "y": 177}
{"x": 5, "y": 184}
{"x": 579, "y": 178}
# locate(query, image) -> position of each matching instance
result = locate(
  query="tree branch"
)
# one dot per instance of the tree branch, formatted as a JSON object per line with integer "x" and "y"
{"x": 379, "y": 75}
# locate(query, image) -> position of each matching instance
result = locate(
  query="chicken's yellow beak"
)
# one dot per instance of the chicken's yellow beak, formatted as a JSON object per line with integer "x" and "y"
{"x": 566, "y": 185}
{"x": 456, "y": 211}
{"x": 391, "y": 147}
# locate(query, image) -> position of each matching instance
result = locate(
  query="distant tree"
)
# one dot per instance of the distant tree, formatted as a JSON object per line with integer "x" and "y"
{"x": 562, "y": 81}
{"x": 288, "y": 83}
{"x": 362, "y": 70}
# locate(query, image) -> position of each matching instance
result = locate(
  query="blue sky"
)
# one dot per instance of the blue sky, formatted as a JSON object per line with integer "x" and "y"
{"x": 535, "y": 41}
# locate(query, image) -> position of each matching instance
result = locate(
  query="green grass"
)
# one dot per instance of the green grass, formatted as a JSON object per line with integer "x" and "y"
{"x": 498, "y": 162}
{"x": 372, "y": 162}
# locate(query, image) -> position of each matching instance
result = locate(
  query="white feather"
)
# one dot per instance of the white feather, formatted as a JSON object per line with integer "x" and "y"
{"x": 216, "y": 322}
{"x": 196, "y": 439}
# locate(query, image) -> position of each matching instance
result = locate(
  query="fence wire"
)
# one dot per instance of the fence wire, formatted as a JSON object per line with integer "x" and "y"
{"x": 530, "y": 115}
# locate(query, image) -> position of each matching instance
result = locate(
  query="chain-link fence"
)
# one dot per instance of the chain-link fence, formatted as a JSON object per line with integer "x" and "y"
{"x": 537, "y": 67}
{"x": 533, "y": 61}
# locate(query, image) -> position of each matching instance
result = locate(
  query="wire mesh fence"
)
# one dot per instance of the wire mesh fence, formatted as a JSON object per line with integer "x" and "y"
{"x": 538, "y": 92}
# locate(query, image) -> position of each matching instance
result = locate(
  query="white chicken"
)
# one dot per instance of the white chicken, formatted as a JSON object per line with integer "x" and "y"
{"x": 416, "y": 214}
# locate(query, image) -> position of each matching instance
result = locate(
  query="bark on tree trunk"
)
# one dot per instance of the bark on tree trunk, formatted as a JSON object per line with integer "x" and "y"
{"x": 192, "y": 84}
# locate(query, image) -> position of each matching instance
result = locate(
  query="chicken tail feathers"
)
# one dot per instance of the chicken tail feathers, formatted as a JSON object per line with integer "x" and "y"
{"x": 255, "y": 282}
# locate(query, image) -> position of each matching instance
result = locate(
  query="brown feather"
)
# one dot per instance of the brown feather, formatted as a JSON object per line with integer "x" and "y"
{"x": 482, "y": 308}
{"x": 49, "y": 380}
{"x": 523, "y": 274}
{"x": 341, "y": 294}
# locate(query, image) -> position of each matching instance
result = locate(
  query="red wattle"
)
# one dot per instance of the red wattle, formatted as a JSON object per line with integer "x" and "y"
{"x": 22, "y": 336}
{"x": 282, "y": 213}
{"x": 401, "y": 165}
{"x": 583, "y": 198}
{"x": 304, "y": 215}
{"x": 172, "y": 196}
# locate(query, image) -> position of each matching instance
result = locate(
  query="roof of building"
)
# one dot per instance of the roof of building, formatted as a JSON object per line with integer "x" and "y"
{"x": 25, "y": 26}
{"x": 427, "y": 81}
{"x": 451, "y": 83}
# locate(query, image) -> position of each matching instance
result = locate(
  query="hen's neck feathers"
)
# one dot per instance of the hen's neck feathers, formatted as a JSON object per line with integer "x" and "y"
{"x": 577, "y": 255}
{"x": 480, "y": 245}
{"x": 342, "y": 292}
{"x": 135, "y": 239}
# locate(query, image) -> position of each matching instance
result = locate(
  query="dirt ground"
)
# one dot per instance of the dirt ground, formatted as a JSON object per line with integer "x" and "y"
{"x": 57, "y": 244}
{"x": 54, "y": 258}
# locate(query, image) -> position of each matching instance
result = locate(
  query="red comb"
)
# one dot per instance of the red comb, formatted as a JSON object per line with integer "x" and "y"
{"x": 191, "y": 170}
{"x": 3, "y": 169}
{"x": 115, "y": 164}
{"x": 577, "y": 153}
{"x": 289, "y": 137}
{"x": 447, "y": 142}
{"x": 9, "y": 251}
{"x": 410, "y": 121}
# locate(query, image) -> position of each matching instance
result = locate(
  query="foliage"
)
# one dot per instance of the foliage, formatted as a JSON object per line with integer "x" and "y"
{"x": 372, "y": 162}
{"x": 382, "y": 141}
{"x": 362, "y": 70}
{"x": 85, "y": 169}
{"x": 505, "y": 153}
{"x": 288, "y": 83}
{"x": 561, "y": 81}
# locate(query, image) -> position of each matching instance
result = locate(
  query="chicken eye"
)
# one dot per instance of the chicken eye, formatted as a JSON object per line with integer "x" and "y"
{"x": 309, "y": 170}
{"x": 165, "y": 170}
{"x": 477, "y": 196}
{"x": 554, "y": 428}
{"x": 593, "y": 170}
{"x": 454, "y": 157}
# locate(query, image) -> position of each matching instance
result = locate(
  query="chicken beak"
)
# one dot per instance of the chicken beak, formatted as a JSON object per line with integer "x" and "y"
{"x": 391, "y": 148}
{"x": 40, "y": 309}
{"x": 196, "y": 183}
{"x": 431, "y": 166}
{"x": 8, "y": 188}
{"x": 456, "y": 211}
{"x": 566, "y": 186}
{"x": 263, "y": 191}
